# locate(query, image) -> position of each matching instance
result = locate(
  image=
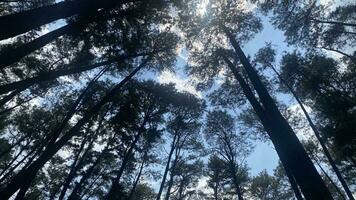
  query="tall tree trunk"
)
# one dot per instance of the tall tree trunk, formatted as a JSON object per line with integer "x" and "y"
{"x": 235, "y": 180}
{"x": 115, "y": 183}
{"x": 287, "y": 145}
{"x": 28, "y": 174}
{"x": 167, "y": 168}
{"x": 76, "y": 192}
{"x": 8, "y": 97}
{"x": 22, "y": 85}
{"x": 73, "y": 169}
{"x": 330, "y": 179}
{"x": 87, "y": 190}
{"x": 216, "y": 191}
{"x": 22, "y": 22}
{"x": 137, "y": 180}
{"x": 334, "y": 22}
{"x": 293, "y": 184}
{"x": 350, "y": 57}
{"x": 177, "y": 149}
{"x": 170, "y": 183}
{"x": 318, "y": 136}
{"x": 4, "y": 111}
{"x": 180, "y": 191}
{"x": 13, "y": 54}
{"x": 8, "y": 165}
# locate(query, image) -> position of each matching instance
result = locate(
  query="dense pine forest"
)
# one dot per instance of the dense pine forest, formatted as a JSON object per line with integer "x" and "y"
{"x": 172, "y": 99}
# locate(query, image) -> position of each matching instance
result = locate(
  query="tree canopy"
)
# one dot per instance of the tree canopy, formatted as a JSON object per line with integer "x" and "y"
{"x": 171, "y": 99}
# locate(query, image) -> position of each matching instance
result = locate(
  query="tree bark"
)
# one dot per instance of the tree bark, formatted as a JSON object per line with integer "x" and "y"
{"x": 75, "y": 194}
{"x": 330, "y": 179}
{"x": 170, "y": 182}
{"x": 166, "y": 169}
{"x": 22, "y": 85}
{"x": 235, "y": 180}
{"x": 334, "y": 22}
{"x": 284, "y": 139}
{"x": 22, "y": 22}
{"x": 293, "y": 184}
{"x": 13, "y": 54}
{"x": 216, "y": 191}
{"x": 8, "y": 97}
{"x": 115, "y": 183}
{"x": 136, "y": 181}
{"x": 73, "y": 169}
{"x": 28, "y": 174}
{"x": 350, "y": 57}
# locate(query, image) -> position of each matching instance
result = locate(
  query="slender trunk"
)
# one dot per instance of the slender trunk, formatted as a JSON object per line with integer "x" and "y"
{"x": 51, "y": 75}
{"x": 115, "y": 183}
{"x": 8, "y": 97}
{"x": 8, "y": 165}
{"x": 330, "y": 179}
{"x": 28, "y": 174}
{"x": 11, "y": 55}
{"x": 334, "y": 22}
{"x": 77, "y": 190}
{"x": 352, "y": 161}
{"x": 287, "y": 145}
{"x": 78, "y": 161}
{"x": 318, "y": 136}
{"x": 293, "y": 184}
{"x": 180, "y": 191}
{"x": 2, "y": 112}
{"x": 22, "y": 22}
{"x": 137, "y": 180}
{"x": 72, "y": 172}
{"x": 167, "y": 168}
{"x": 350, "y": 57}
{"x": 34, "y": 151}
{"x": 75, "y": 194}
{"x": 170, "y": 184}
{"x": 235, "y": 180}
{"x": 216, "y": 191}
{"x": 86, "y": 191}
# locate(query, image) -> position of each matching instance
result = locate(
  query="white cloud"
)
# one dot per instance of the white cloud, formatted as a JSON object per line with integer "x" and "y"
{"x": 182, "y": 84}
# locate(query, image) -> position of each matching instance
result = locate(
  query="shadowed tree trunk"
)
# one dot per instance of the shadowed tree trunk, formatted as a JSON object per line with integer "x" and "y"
{"x": 330, "y": 179}
{"x": 13, "y": 54}
{"x": 77, "y": 163}
{"x": 137, "y": 180}
{"x": 22, "y": 85}
{"x": 115, "y": 183}
{"x": 334, "y": 22}
{"x": 167, "y": 168}
{"x": 22, "y": 22}
{"x": 293, "y": 184}
{"x": 235, "y": 180}
{"x": 77, "y": 190}
{"x": 171, "y": 179}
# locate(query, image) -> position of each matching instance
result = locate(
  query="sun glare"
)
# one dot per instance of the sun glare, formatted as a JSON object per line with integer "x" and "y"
{"x": 202, "y": 7}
